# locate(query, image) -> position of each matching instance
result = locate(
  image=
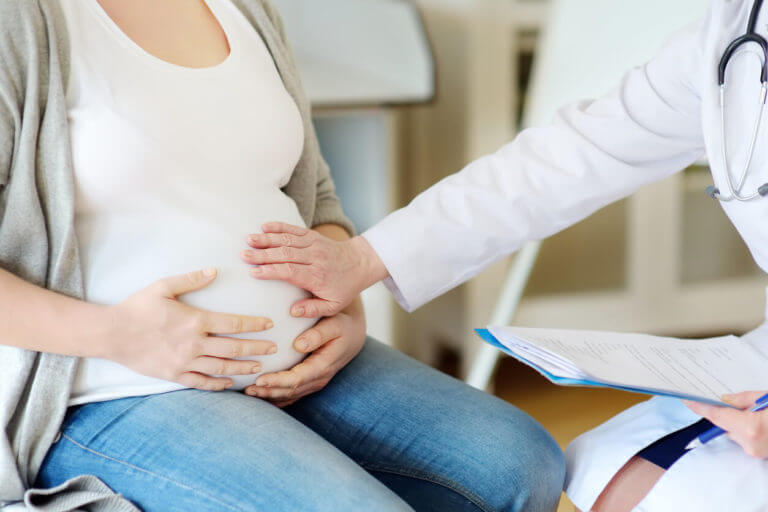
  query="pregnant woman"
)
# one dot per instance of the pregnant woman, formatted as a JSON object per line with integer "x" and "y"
{"x": 141, "y": 142}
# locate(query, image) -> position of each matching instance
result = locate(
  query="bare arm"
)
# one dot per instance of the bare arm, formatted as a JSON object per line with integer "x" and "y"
{"x": 150, "y": 332}
{"x": 37, "y": 319}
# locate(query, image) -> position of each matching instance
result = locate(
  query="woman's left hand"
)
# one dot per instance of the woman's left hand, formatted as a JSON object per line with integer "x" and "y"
{"x": 748, "y": 429}
{"x": 332, "y": 344}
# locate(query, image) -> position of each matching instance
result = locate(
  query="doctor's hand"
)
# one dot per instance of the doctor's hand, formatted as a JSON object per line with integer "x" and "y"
{"x": 748, "y": 429}
{"x": 335, "y": 272}
{"x": 332, "y": 344}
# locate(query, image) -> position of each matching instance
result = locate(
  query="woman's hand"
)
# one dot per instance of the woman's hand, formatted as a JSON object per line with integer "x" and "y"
{"x": 748, "y": 429}
{"x": 156, "y": 335}
{"x": 334, "y": 271}
{"x": 332, "y": 344}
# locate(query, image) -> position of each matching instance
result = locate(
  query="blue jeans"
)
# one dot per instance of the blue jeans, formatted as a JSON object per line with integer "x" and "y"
{"x": 388, "y": 433}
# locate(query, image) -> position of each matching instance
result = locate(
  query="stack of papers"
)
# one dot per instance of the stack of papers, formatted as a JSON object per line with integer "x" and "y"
{"x": 702, "y": 370}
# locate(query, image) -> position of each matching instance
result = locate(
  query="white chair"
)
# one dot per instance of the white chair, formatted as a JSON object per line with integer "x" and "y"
{"x": 586, "y": 48}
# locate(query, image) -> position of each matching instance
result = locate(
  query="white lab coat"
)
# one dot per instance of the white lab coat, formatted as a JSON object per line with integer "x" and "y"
{"x": 661, "y": 118}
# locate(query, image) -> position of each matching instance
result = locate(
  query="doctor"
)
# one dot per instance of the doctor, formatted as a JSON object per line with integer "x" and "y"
{"x": 704, "y": 94}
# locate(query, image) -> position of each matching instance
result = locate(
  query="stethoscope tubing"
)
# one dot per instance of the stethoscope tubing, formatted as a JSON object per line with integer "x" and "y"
{"x": 751, "y": 36}
{"x": 736, "y": 191}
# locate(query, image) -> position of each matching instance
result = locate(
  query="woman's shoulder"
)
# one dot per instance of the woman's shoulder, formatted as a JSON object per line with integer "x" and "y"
{"x": 25, "y": 23}
{"x": 15, "y": 15}
{"x": 18, "y": 20}
{"x": 28, "y": 30}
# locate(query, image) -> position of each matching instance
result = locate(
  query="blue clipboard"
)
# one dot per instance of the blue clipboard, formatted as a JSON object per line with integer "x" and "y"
{"x": 489, "y": 338}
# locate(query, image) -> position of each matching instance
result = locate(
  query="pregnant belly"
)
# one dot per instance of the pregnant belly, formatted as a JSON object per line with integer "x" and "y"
{"x": 234, "y": 291}
{"x": 122, "y": 255}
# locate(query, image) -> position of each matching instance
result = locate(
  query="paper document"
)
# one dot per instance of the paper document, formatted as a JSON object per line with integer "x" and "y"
{"x": 702, "y": 370}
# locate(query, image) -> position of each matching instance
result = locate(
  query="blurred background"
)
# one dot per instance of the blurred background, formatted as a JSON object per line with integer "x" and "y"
{"x": 408, "y": 92}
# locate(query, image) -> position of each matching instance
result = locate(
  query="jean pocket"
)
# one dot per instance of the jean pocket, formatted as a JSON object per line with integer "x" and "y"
{"x": 87, "y": 423}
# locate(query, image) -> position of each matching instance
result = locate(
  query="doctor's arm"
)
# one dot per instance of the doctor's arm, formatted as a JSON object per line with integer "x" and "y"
{"x": 548, "y": 178}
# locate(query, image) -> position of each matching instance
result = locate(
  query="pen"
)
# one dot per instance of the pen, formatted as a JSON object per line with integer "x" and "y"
{"x": 715, "y": 432}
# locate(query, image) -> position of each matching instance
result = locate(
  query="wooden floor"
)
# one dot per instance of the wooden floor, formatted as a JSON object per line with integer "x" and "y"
{"x": 565, "y": 412}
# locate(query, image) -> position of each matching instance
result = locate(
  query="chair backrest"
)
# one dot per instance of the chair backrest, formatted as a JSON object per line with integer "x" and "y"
{"x": 588, "y": 45}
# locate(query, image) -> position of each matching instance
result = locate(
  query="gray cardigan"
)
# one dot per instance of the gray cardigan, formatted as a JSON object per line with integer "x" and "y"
{"x": 37, "y": 237}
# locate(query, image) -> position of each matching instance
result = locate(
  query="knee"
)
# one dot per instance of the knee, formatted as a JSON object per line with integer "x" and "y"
{"x": 524, "y": 466}
{"x": 543, "y": 484}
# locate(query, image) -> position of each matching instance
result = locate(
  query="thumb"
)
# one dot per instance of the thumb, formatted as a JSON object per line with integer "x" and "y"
{"x": 174, "y": 286}
{"x": 314, "y": 308}
{"x": 744, "y": 400}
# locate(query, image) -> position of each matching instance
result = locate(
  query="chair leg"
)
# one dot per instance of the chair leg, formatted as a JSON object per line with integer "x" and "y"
{"x": 484, "y": 364}
{"x": 483, "y": 367}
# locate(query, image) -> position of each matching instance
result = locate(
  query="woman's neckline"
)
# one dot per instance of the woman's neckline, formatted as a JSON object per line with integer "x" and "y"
{"x": 139, "y": 50}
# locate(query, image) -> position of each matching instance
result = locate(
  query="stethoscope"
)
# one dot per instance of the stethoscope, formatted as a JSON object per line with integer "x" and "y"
{"x": 750, "y": 37}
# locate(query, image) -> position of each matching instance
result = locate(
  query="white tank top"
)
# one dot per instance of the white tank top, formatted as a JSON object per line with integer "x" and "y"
{"x": 174, "y": 167}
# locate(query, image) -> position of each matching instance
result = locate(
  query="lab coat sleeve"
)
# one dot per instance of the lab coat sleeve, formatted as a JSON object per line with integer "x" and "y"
{"x": 549, "y": 177}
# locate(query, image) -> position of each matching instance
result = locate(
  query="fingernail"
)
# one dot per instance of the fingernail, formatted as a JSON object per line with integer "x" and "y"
{"x": 272, "y": 350}
{"x": 256, "y": 369}
{"x": 210, "y": 271}
{"x": 302, "y": 344}
{"x": 256, "y": 271}
{"x": 297, "y": 312}
{"x": 270, "y": 324}
{"x": 229, "y": 385}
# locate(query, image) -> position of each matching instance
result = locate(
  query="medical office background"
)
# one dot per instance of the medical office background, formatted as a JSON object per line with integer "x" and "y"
{"x": 407, "y": 92}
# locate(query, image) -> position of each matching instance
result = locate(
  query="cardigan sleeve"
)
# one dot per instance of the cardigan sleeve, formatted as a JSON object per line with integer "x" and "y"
{"x": 328, "y": 209}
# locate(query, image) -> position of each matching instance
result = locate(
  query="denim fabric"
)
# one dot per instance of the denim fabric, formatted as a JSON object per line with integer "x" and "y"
{"x": 388, "y": 433}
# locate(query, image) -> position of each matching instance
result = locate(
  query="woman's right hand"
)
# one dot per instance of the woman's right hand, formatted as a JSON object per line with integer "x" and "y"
{"x": 158, "y": 336}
